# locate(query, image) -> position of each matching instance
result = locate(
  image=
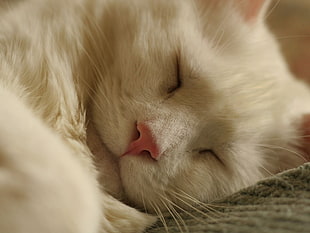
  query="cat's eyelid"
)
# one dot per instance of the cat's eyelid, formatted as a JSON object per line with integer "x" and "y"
{"x": 177, "y": 76}
{"x": 211, "y": 152}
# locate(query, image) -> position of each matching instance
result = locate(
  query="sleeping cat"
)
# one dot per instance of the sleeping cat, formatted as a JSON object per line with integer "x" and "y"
{"x": 104, "y": 101}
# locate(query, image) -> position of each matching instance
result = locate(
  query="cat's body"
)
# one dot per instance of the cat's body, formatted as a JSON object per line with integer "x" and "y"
{"x": 211, "y": 102}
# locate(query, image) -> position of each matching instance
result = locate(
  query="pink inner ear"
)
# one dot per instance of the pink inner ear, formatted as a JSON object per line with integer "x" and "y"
{"x": 251, "y": 8}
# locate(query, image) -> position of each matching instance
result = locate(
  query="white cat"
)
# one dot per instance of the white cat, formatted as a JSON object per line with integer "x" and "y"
{"x": 171, "y": 97}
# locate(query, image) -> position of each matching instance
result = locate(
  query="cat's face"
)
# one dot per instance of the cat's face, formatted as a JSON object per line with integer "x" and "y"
{"x": 208, "y": 88}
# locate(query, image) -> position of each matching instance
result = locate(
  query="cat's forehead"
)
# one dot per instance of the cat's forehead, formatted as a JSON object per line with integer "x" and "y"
{"x": 145, "y": 18}
{"x": 145, "y": 30}
{"x": 146, "y": 11}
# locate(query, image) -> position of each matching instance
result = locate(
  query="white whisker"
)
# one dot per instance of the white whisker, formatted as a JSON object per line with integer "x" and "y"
{"x": 160, "y": 215}
{"x": 194, "y": 208}
{"x": 272, "y": 9}
{"x": 182, "y": 209}
{"x": 283, "y": 148}
{"x": 205, "y": 206}
{"x": 172, "y": 215}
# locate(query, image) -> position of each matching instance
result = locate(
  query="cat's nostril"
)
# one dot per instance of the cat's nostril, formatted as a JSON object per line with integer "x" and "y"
{"x": 145, "y": 142}
{"x": 136, "y": 133}
{"x": 147, "y": 153}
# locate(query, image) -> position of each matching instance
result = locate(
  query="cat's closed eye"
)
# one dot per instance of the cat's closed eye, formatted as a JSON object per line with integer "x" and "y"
{"x": 178, "y": 78}
{"x": 210, "y": 152}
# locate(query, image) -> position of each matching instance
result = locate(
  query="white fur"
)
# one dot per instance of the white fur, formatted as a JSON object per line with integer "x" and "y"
{"x": 65, "y": 63}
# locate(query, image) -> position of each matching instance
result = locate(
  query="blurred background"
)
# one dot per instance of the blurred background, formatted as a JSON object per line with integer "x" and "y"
{"x": 290, "y": 21}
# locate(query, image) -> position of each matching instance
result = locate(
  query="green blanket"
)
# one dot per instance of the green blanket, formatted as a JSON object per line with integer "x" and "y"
{"x": 280, "y": 204}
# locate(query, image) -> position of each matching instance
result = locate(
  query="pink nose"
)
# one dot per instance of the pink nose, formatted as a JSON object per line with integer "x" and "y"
{"x": 145, "y": 142}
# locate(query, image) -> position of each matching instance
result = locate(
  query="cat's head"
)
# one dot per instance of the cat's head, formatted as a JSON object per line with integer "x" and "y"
{"x": 190, "y": 98}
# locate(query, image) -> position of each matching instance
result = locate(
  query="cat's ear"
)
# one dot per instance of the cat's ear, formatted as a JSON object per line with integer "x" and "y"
{"x": 251, "y": 10}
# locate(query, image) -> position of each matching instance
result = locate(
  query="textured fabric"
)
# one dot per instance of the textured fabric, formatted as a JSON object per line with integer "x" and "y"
{"x": 278, "y": 204}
